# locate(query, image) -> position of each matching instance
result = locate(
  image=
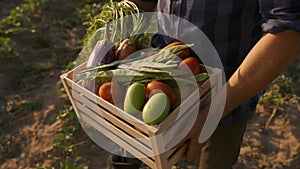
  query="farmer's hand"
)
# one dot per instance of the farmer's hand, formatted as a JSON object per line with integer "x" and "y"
{"x": 193, "y": 136}
{"x": 207, "y": 120}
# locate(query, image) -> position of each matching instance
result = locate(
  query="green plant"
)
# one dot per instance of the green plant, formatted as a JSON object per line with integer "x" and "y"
{"x": 70, "y": 163}
{"x": 112, "y": 12}
{"x": 20, "y": 15}
{"x": 280, "y": 90}
{"x": 48, "y": 167}
{"x": 89, "y": 11}
{"x": 8, "y": 147}
{"x": 67, "y": 116}
{"x": 65, "y": 139}
{"x": 7, "y": 49}
{"x": 16, "y": 105}
{"x": 114, "y": 25}
{"x": 14, "y": 24}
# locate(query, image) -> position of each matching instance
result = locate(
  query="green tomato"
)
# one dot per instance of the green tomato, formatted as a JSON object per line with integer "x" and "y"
{"x": 156, "y": 109}
{"x": 135, "y": 98}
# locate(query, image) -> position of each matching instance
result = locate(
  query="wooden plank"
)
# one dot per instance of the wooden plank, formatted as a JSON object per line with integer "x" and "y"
{"x": 113, "y": 129}
{"x": 149, "y": 162}
{"x": 178, "y": 112}
{"x": 68, "y": 89}
{"x": 217, "y": 80}
{"x": 182, "y": 109}
{"x": 206, "y": 86}
{"x": 158, "y": 151}
{"x": 113, "y": 119}
{"x": 113, "y": 109}
{"x": 187, "y": 103}
{"x": 76, "y": 70}
{"x": 179, "y": 129}
{"x": 127, "y": 146}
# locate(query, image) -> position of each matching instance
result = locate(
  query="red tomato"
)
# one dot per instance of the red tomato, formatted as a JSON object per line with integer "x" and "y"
{"x": 152, "y": 53}
{"x": 191, "y": 65}
{"x": 157, "y": 87}
{"x": 182, "y": 54}
{"x": 172, "y": 44}
{"x": 111, "y": 92}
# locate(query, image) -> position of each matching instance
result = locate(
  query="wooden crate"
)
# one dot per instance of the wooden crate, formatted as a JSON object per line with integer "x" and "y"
{"x": 130, "y": 133}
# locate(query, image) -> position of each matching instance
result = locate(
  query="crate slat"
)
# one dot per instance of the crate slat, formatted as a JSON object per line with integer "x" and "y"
{"x": 113, "y": 119}
{"x": 176, "y": 132}
{"x": 158, "y": 146}
{"x": 125, "y": 145}
{"x": 114, "y": 131}
{"x": 66, "y": 81}
{"x": 185, "y": 105}
{"x": 112, "y": 109}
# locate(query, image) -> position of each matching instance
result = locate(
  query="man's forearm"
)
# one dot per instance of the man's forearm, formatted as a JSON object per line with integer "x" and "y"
{"x": 264, "y": 63}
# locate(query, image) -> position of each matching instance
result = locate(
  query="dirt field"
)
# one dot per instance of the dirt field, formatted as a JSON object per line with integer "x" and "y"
{"x": 35, "y": 109}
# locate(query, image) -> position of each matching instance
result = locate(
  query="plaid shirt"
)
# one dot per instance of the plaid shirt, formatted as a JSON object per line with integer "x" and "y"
{"x": 233, "y": 27}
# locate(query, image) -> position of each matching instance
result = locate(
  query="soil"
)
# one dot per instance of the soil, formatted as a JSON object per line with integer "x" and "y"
{"x": 29, "y": 99}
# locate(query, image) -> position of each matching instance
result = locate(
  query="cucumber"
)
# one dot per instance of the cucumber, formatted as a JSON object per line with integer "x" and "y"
{"x": 135, "y": 98}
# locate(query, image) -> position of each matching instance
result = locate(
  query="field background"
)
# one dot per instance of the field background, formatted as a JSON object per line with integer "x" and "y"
{"x": 40, "y": 39}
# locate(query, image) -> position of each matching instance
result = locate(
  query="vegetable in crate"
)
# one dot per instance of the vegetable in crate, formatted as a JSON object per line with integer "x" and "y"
{"x": 156, "y": 109}
{"x": 135, "y": 98}
{"x": 191, "y": 66}
{"x": 140, "y": 70}
{"x": 116, "y": 26}
{"x": 155, "y": 87}
{"x": 182, "y": 54}
{"x": 111, "y": 92}
{"x": 162, "y": 66}
{"x": 102, "y": 53}
{"x": 112, "y": 26}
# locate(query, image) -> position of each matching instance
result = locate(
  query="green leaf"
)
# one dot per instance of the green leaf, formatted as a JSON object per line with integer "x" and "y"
{"x": 201, "y": 77}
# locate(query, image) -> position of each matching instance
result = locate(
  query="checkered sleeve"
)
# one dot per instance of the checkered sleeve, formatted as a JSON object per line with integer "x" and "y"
{"x": 280, "y": 15}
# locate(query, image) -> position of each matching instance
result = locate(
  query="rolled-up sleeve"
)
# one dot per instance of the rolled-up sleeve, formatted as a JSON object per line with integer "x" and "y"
{"x": 279, "y": 15}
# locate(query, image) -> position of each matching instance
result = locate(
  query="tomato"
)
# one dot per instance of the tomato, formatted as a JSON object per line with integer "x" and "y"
{"x": 152, "y": 53}
{"x": 182, "y": 54}
{"x": 111, "y": 92}
{"x": 172, "y": 44}
{"x": 158, "y": 87}
{"x": 191, "y": 65}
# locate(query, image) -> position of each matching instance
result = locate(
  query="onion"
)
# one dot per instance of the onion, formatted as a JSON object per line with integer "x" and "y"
{"x": 103, "y": 52}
